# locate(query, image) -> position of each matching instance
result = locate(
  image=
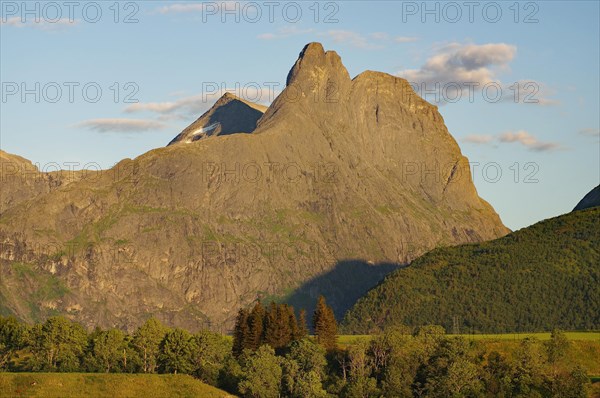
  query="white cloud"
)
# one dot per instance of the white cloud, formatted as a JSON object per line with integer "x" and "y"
{"x": 267, "y": 36}
{"x": 478, "y": 138}
{"x": 349, "y": 37}
{"x": 528, "y": 140}
{"x": 460, "y": 63}
{"x": 197, "y": 104}
{"x": 121, "y": 125}
{"x": 405, "y": 39}
{"x": 456, "y": 71}
{"x": 590, "y": 132}
{"x": 522, "y": 137}
{"x": 210, "y": 6}
{"x": 284, "y": 32}
{"x": 379, "y": 36}
{"x": 42, "y": 24}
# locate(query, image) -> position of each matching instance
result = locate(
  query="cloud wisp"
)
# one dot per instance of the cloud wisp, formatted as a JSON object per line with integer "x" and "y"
{"x": 42, "y": 24}
{"x": 121, "y": 125}
{"x": 197, "y": 104}
{"x": 212, "y": 7}
{"x": 590, "y": 132}
{"x": 521, "y": 137}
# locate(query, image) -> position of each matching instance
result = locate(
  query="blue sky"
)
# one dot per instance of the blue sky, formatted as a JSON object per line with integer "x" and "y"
{"x": 175, "y": 58}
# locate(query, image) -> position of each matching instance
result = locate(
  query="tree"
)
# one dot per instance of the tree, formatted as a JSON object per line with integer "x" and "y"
{"x": 13, "y": 335}
{"x": 304, "y": 370}
{"x": 107, "y": 348}
{"x": 256, "y": 321}
{"x": 57, "y": 345}
{"x": 498, "y": 375}
{"x": 557, "y": 346}
{"x": 211, "y": 353}
{"x": 573, "y": 384}
{"x": 301, "y": 329}
{"x": 146, "y": 340}
{"x": 527, "y": 378}
{"x": 451, "y": 371}
{"x": 261, "y": 373}
{"x": 325, "y": 325}
{"x": 278, "y": 332}
{"x": 176, "y": 352}
{"x": 361, "y": 384}
{"x": 241, "y": 332}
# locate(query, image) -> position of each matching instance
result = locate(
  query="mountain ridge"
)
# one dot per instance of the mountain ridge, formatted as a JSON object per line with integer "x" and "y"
{"x": 336, "y": 169}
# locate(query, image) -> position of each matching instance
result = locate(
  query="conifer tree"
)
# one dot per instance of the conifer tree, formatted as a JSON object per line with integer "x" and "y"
{"x": 301, "y": 329}
{"x": 325, "y": 325}
{"x": 256, "y": 327}
{"x": 278, "y": 332}
{"x": 241, "y": 332}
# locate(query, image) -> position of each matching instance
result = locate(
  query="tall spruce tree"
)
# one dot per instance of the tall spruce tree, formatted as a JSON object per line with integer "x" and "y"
{"x": 278, "y": 331}
{"x": 241, "y": 332}
{"x": 256, "y": 321}
{"x": 301, "y": 329}
{"x": 325, "y": 325}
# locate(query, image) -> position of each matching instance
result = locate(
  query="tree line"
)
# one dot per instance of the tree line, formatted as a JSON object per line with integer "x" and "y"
{"x": 272, "y": 355}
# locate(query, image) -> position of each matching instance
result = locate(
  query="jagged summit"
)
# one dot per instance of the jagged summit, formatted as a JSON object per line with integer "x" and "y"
{"x": 319, "y": 84}
{"x": 229, "y": 115}
{"x": 314, "y": 56}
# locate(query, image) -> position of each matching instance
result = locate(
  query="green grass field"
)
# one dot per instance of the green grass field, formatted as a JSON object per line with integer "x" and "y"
{"x": 349, "y": 339}
{"x": 98, "y": 385}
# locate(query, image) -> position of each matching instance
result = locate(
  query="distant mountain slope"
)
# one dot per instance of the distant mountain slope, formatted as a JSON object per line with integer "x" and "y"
{"x": 592, "y": 199}
{"x": 21, "y": 180}
{"x": 228, "y": 115}
{"x": 337, "y": 169}
{"x": 538, "y": 278}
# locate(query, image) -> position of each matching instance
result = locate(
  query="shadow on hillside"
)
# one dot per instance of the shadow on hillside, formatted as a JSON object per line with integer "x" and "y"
{"x": 342, "y": 286}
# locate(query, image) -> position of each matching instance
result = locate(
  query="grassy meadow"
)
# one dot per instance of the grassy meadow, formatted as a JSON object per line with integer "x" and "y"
{"x": 100, "y": 385}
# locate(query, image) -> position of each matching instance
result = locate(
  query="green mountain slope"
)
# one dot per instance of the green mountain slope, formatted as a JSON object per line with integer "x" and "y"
{"x": 540, "y": 277}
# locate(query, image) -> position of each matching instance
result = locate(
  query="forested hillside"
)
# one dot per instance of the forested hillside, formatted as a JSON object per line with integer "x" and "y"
{"x": 537, "y": 278}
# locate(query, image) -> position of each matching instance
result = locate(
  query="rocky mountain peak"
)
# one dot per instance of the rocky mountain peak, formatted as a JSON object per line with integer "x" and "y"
{"x": 229, "y": 115}
{"x": 314, "y": 62}
{"x": 336, "y": 170}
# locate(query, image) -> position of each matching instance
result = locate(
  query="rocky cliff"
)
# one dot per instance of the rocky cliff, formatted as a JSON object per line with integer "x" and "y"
{"x": 336, "y": 170}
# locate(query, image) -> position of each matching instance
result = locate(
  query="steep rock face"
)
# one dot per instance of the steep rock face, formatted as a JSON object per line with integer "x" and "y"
{"x": 592, "y": 199}
{"x": 228, "y": 115}
{"x": 337, "y": 169}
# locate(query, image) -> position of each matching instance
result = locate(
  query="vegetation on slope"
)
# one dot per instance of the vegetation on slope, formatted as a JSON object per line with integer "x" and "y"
{"x": 535, "y": 279}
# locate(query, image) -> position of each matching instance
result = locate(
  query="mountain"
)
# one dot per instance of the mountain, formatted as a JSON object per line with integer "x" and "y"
{"x": 228, "y": 115}
{"x": 22, "y": 180}
{"x": 539, "y": 278}
{"x": 592, "y": 199}
{"x": 338, "y": 175}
